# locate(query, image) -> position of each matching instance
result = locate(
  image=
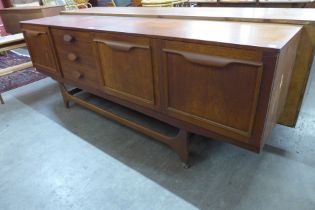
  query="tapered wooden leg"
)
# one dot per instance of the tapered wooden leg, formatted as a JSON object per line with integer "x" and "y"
{"x": 1, "y": 99}
{"x": 64, "y": 94}
{"x": 180, "y": 145}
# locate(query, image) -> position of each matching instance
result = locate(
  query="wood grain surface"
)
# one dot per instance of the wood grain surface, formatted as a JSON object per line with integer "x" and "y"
{"x": 251, "y": 35}
{"x": 274, "y": 15}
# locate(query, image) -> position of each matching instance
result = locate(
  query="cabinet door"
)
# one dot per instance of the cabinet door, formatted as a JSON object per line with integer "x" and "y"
{"x": 127, "y": 68}
{"x": 40, "y": 49}
{"x": 213, "y": 87}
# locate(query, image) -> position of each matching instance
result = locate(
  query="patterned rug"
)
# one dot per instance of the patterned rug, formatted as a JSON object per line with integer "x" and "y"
{"x": 19, "y": 78}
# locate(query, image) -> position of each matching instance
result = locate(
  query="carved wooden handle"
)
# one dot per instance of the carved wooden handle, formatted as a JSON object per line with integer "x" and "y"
{"x": 68, "y": 38}
{"x": 31, "y": 33}
{"x": 123, "y": 46}
{"x": 77, "y": 75}
{"x": 211, "y": 60}
{"x": 73, "y": 57}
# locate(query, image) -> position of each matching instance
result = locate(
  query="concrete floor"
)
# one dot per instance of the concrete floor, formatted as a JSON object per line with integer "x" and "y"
{"x": 57, "y": 158}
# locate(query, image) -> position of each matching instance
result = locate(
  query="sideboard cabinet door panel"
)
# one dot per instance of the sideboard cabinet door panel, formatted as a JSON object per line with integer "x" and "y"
{"x": 213, "y": 87}
{"x": 41, "y": 51}
{"x": 127, "y": 68}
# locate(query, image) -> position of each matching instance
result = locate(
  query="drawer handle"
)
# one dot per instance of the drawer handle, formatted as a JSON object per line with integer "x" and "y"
{"x": 31, "y": 33}
{"x": 211, "y": 60}
{"x": 123, "y": 46}
{"x": 77, "y": 75}
{"x": 68, "y": 38}
{"x": 73, "y": 57}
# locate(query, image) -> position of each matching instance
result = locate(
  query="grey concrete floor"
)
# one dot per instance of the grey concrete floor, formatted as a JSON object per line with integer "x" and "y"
{"x": 57, "y": 158}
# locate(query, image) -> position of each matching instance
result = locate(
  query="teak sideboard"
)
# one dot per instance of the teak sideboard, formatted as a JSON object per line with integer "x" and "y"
{"x": 225, "y": 80}
{"x": 293, "y": 16}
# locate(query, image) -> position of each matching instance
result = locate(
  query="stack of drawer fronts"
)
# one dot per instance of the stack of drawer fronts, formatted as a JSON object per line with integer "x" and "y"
{"x": 226, "y": 80}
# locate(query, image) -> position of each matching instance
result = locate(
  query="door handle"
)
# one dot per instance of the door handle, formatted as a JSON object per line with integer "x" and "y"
{"x": 32, "y": 33}
{"x": 78, "y": 75}
{"x": 73, "y": 57}
{"x": 68, "y": 38}
{"x": 122, "y": 46}
{"x": 211, "y": 60}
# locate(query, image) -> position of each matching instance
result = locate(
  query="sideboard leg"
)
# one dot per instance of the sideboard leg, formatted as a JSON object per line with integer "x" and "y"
{"x": 64, "y": 94}
{"x": 180, "y": 145}
{"x": 1, "y": 99}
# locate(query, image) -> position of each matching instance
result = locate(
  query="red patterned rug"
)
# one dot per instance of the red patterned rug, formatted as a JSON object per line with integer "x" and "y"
{"x": 19, "y": 78}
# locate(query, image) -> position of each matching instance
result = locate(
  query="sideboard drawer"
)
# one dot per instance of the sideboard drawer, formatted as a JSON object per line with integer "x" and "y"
{"x": 212, "y": 87}
{"x": 76, "y": 56}
{"x": 70, "y": 39}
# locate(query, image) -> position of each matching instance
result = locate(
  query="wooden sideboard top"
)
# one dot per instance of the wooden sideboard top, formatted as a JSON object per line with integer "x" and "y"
{"x": 274, "y": 15}
{"x": 271, "y": 37}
